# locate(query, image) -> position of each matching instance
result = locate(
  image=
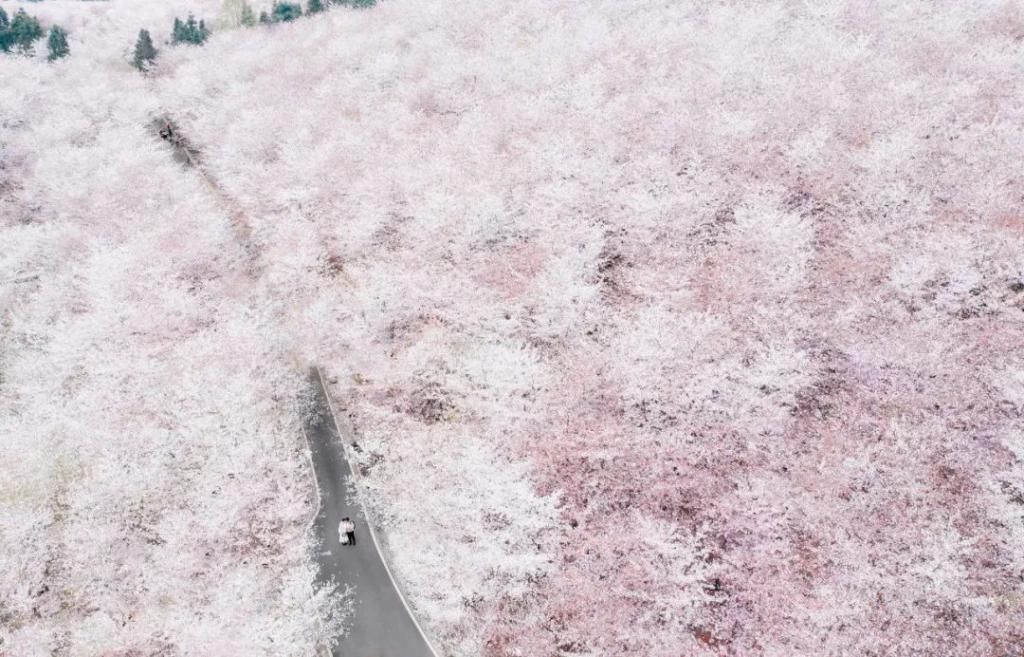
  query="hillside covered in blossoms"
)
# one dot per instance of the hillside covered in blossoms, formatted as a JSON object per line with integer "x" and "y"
{"x": 666, "y": 328}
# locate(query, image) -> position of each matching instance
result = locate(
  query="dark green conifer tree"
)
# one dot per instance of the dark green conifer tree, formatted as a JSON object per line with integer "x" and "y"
{"x": 315, "y": 7}
{"x": 191, "y": 30}
{"x": 24, "y": 31}
{"x": 57, "y": 43}
{"x": 285, "y": 12}
{"x": 145, "y": 53}
{"x": 5, "y": 32}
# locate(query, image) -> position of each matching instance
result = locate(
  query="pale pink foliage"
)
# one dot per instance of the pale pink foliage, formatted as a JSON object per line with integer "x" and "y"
{"x": 669, "y": 328}
{"x": 763, "y": 260}
{"x": 154, "y": 496}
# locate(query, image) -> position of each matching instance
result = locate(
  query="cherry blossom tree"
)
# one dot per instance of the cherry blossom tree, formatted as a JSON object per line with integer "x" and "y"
{"x": 665, "y": 329}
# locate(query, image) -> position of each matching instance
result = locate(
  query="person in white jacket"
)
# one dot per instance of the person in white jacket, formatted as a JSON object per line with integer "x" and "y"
{"x": 347, "y": 531}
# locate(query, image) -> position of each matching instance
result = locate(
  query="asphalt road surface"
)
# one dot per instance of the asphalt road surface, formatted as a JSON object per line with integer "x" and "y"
{"x": 382, "y": 625}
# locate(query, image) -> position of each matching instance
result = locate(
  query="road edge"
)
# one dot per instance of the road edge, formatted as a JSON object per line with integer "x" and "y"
{"x": 321, "y": 649}
{"x": 345, "y": 433}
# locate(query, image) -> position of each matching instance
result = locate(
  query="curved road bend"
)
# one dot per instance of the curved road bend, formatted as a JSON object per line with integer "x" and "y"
{"x": 381, "y": 625}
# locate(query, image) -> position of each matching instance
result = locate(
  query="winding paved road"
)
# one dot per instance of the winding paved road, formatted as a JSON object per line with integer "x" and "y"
{"x": 382, "y": 625}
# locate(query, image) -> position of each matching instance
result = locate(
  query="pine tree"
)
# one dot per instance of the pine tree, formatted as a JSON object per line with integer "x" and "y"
{"x": 285, "y": 12}
{"x": 314, "y": 7}
{"x": 5, "y": 32}
{"x": 145, "y": 53}
{"x": 191, "y": 30}
{"x": 57, "y": 43}
{"x": 248, "y": 17}
{"x": 264, "y": 18}
{"x": 24, "y": 32}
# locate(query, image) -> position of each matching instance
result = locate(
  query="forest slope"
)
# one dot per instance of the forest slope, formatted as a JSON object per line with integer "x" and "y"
{"x": 668, "y": 328}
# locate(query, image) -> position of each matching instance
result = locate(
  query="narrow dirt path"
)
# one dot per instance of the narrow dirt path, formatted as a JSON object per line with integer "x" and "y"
{"x": 188, "y": 155}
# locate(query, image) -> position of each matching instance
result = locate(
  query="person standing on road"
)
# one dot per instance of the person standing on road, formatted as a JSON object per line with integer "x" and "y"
{"x": 347, "y": 531}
